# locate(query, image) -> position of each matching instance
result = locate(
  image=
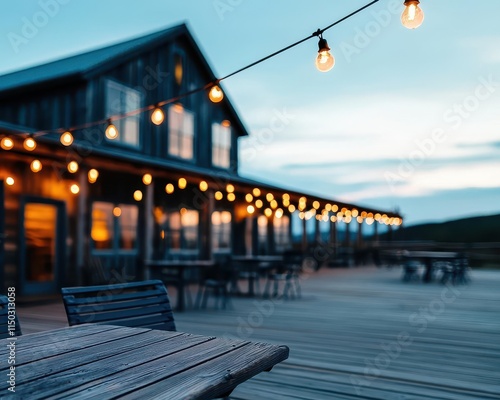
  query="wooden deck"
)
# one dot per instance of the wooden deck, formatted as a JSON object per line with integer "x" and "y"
{"x": 359, "y": 333}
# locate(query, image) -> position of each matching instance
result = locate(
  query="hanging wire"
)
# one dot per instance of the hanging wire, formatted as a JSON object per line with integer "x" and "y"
{"x": 318, "y": 33}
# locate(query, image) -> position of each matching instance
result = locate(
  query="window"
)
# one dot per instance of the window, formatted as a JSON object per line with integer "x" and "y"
{"x": 178, "y": 231}
{"x": 121, "y": 99}
{"x": 221, "y": 145}
{"x": 114, "y": 227}
{"x": 221, "y": 231}
{"x": 281, "y": 233}
{"x": 180, "y": 132}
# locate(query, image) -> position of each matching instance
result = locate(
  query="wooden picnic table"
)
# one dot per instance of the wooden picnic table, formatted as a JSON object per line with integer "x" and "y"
{"x": 105, "y": 361}
{"x": 161, "y": 269}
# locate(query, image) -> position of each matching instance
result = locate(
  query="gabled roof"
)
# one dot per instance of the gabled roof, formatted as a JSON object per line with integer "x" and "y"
{"x": 85, "y": 65}
{"x": 82, "y": 64}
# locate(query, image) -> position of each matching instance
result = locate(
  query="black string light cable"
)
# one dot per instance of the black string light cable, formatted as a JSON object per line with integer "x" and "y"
{"x": 209, "y": 86}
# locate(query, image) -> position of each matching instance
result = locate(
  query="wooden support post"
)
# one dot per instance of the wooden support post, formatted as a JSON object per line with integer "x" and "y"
{"x": 304, "y": 235}
{"x": 81, "y": 239}
{"x": 149, "y": 226}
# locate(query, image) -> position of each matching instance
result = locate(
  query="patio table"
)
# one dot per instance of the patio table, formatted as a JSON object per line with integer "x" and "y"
{"x": 105, "y": 361}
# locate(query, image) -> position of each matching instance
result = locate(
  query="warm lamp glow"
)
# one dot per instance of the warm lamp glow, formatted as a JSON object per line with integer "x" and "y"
{"x": 36, "y": 166}
{"x": 218, "y": 195}
{"x": 9, "y": 180}
{"x": 231, "y": 196}
{"x": 216, "y": 94}
{"x": 93, "y": 175}
{"x": 316, "y": 204}
{"x": 66, "y": 138}
{"x": 137, "y": 195}
{"x": 268, "y": 212}
{"x": 324, "y": 61}
{"x": 7, "y": 143}
{"x": 248, "y": 198}
{"x": 230, "y": 188}
{"x": 182, "y": 183}
{"x": 333, "y": 218}
{"x": 203, "y": 186}
{"x": 279, "y": 213}
{"x": 73, "y": 167}
{"x": 226, "y": 123}
{"x": 169, "y": 188}
{"x": 269, "y": 197}
{"x": 147, "y": 179}
{"x": 412, "y": 16}
{"x": 157, "y": 116}
{"x": 117, "y": 211}
{"x": 29, "y": 144}
{"x": 256, "y": 192}
{"x": 75, "y": 189}
{"x": 335, "y": 208}
{"x": 250, "y": 209}
{"x": 274, "y": 204}
{"x": 111, "y": 132}
{"x": 259, "y": 203}
{"x": 291, "y": 208}
{"x": 354, "y": 212}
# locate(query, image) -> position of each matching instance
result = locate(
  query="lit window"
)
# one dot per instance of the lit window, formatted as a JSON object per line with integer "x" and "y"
{"x": 180, "y": 132}
{"x": 121, "y": 99}
{"x": 221, "y": 230}
{"x": 178, "y": 231}
{"x": 112, "y": 230}
{"x": 221, "y": 145}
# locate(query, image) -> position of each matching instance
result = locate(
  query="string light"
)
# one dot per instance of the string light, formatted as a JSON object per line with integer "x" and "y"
{"x": 7, "y": 143}
{"x": 324, "y": 61}
{"x": 73, "y": 167}
{"x": 250, "y": 209}
{"x": 137, "y": 195}
{"x": 291, "y": 208}
{"x": 182, "y": 183}
{"x": 256, "y": 192}
{"x": 66, "y": 138}
{"x": 218, "y": 195}
{"x": 203, "y": 186}
{"x": 111, "y": 131}
{"x": 231, "y": 196}
{"x": 36, "y": 166}
{"x": 230, "y": 188}
{"x": 10, "y": 181}
{"x": 147, "y": 179}
{"x": 248, "y": 198}
{"x": 157, "y": 116}
{"x": 75, "y": 189}
{"x": 216, "y": 94}
{"x": 93, "y": 174}
{"x": 412, "y": 16}
{"x": 169, "y": 188}
{"x": 259, "y": 203}
{"x": 29, "y": 144}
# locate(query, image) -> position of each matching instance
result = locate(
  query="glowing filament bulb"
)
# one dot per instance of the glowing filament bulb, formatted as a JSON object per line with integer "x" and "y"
{"x": 157, "y": 116}
{"x": 324, "y": 61}
{"x": 36, "y": 166}
{"x": 29, "y": 144}
{"x": 66, "y": 138}
{"x": 111, "y": 132}
{"x": 412, "y": 16}
{"x": 7, "y": 143}
{"x": 216, "y": 94}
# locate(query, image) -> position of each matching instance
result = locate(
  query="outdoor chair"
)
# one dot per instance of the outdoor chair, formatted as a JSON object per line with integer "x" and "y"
{"x": 135, "y": 304}
{"x": 410, "y": 270}
{"x": 287, "y": 272}
{"x": 214, "y": 281}
{"x": 4, "y": 320}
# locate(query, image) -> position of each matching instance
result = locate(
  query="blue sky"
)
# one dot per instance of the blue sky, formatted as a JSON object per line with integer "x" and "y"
{"x": 406, "y": 119}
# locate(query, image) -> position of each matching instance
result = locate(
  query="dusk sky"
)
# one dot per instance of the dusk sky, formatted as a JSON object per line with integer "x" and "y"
{"x": 407, "y": 119}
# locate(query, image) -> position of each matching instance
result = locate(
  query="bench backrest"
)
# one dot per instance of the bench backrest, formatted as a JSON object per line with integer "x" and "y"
{"x": 135, "y": 304}
{"x": 5, "y": 318}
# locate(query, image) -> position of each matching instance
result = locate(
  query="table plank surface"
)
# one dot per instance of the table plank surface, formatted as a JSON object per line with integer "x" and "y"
{"x": 105, "y": 362}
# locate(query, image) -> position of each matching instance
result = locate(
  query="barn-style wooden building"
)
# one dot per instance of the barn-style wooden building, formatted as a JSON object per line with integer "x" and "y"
{"x": 75, "y": 196}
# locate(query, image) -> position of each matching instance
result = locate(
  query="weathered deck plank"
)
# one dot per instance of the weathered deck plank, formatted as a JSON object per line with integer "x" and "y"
{"x": 343, "y": 337}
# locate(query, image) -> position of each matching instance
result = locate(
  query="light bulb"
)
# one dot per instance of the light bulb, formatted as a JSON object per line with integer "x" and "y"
{"x": 203, "y": 186}
{"x": 66, "y": 138}
{"x": 75, "y": 189}
{"x": 36, "y": 166}
{"x": 182, "y": 183}
{"x": 157, "y": 117}
{"x": 412, "y": 16}
{"x": 73, "y": 167}
{"x": 9, "y": 181}
{"x": 147, "y": 179}
{"x": 324, "y": 61}
{"x": 216, "y": 94}
{"x": 137, "y": 195}
{"x": 111, "y": 132}
{"x": 29, "y": 144}
{"x": 7, "y": 143}
{"x": 93, "y": 175}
